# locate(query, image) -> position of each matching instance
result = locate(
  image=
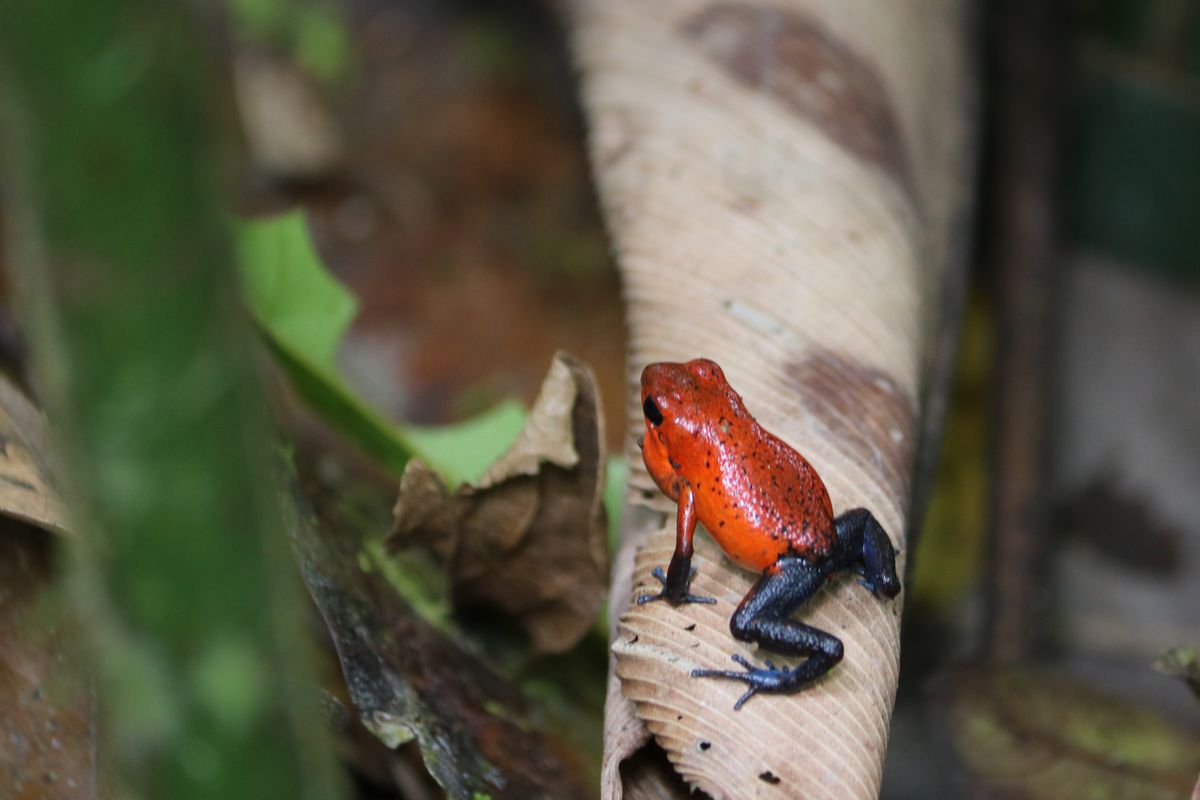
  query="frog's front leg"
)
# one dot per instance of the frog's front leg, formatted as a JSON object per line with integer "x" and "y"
{"x": 763, "y": 618}
{"x": 679, "y": 572}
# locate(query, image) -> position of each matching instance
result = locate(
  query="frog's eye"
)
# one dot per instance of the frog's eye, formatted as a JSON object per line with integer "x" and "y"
{"x": 652, "y": 413}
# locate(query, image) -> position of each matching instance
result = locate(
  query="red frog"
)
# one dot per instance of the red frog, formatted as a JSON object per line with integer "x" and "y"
{"x": 769, "y": 511}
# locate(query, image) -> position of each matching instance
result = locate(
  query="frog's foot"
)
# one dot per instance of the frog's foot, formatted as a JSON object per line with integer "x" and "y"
{"x": 768, "y": 679}
{"x": 864, "y": 547}
{"x": 672, "y": 598}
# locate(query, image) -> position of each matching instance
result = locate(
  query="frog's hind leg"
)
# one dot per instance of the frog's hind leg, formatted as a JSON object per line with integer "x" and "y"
{"x": 763, "y": 618}
{"x": 863, "y": 546}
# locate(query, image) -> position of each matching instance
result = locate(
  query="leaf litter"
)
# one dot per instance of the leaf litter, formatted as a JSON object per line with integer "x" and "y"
{"x": 527, "y": 539}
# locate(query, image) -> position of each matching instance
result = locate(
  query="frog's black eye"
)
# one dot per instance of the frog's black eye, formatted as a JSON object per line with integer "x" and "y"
{"x": 652, "y": 413}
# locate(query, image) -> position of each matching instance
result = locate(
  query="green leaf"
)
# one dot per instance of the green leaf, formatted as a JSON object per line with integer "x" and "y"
{"x": 258, "y": 19}
{"x": 327, "y": 395}
{"x": 320, "y": 42}
{"x": 463, "y": 452}
{"x": 289, "y": 290}
{"x": 303, "y": 312}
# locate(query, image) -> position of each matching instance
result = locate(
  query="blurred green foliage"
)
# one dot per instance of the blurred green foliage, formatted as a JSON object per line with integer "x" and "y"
{"x": 312, "y": 32}
{"x": 304, "y": 312}
{"x": 615, "y": 478}
{"x": 142, "y": 355}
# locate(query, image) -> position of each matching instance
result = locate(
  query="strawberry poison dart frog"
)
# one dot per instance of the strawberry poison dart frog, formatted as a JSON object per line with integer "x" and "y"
{"x": 769, "y": 511}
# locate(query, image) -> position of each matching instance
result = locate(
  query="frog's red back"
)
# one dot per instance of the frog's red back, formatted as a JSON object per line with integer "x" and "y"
{"x": 758, "y": 498}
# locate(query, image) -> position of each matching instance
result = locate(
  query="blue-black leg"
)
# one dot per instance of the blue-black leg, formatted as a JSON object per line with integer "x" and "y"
{"x": 679, "y": 573}
{"x": 762, "y": 618}
{"x": 862, "y": 545}
{"x": 675, "y": 584}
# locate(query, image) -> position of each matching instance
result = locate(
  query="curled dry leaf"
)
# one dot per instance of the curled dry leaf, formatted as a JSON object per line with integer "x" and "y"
{"x": 1028, "y": 734}
{"x": 650, "y": 776}
{"x": 27, "y": 489}
{"x": 529, "y": 537}
{"x": 786, "y": 185}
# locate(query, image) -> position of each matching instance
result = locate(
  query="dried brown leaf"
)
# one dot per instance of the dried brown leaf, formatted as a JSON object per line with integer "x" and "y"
{"x": 411, "y": 681}
{"x": 1024, "y": 733}
{"x": 785, "y": 188}
{"x": 649, "y": 776}
{"x": 27, "y": 489}
{"x": 529, "y": 537}
{"x": 564, "y": 412}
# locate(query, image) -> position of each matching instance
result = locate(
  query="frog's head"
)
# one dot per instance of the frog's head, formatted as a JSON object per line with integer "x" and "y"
{"x": 679, "y": 401}
{"x": 680, "y": 395}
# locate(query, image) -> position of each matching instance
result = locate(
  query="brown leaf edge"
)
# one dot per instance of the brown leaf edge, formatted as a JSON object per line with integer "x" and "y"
{"x": 28, "y": 490}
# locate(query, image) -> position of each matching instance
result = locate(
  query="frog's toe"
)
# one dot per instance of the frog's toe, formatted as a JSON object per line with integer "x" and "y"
{"x": 869, "y": 586}
{"x": 769, "y": 678}
{"x": 746, "y": 695}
